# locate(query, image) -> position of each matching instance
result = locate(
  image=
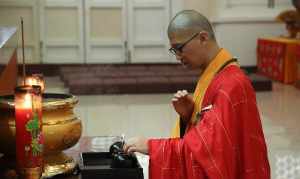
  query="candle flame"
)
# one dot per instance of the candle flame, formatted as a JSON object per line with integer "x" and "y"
{"x": 31, "y": 81}
{"x": 34, "y": 80}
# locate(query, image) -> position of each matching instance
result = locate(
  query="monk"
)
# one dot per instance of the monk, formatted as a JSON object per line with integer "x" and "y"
{"x": 219, "y": 134}
{"x": 292, "y": 20}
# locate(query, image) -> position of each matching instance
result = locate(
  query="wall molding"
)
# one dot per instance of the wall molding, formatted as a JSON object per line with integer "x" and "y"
{"x": 54, "y": 69}
{"x": 242, "y": 20}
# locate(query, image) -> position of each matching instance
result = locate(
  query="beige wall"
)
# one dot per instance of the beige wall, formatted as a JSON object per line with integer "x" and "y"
{"x": 205, "y": 7}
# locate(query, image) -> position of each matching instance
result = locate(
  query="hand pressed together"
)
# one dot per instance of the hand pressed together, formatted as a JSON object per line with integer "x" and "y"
{"x": 183, "y": 104}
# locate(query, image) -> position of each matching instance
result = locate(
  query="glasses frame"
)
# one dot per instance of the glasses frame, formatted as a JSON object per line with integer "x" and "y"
{"x": 179, "y": 47}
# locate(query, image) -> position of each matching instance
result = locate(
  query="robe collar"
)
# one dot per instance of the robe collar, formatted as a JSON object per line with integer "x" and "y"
{"x": 222, "y": 58}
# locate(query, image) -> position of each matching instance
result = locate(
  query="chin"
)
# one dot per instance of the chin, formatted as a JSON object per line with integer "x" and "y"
{"x": 186, "y": 65}
{"x": 195, "y": 68}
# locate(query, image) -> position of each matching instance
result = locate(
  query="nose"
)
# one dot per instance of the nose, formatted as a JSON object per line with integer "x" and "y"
{"x": 178, "y": 57}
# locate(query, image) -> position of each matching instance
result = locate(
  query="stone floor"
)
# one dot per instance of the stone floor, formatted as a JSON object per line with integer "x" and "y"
{"x": 153, "y": 116}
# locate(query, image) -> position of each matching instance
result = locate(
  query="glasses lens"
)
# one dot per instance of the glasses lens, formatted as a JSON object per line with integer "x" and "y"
{"x": 173, "y": 51}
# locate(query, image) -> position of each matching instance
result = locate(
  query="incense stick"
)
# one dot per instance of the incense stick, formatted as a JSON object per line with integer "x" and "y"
{"x": 23, "y": 51}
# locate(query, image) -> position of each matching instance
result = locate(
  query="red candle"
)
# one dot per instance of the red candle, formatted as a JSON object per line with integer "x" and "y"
{"x": 29, "y": 139}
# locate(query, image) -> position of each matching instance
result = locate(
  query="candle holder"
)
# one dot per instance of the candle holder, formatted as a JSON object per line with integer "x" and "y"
{"x": 29, "y": 138}
{"x": 36, "y": 79}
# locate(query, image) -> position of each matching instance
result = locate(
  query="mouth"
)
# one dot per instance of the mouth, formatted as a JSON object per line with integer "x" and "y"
{"x": 185, "y": 64}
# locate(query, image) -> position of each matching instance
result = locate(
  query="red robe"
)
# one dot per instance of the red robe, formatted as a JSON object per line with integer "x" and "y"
{"x": 226, "y": 143}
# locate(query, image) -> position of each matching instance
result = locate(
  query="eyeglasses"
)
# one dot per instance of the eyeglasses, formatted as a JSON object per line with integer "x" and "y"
{"x": 177, "y": 48}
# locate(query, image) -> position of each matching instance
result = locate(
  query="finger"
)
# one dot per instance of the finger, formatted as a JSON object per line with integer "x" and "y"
{"x": 125, "y": 148}
{"x": 180, "y": 94}
{"x": 177, "y": 95}
{"x": 129, "y": 149}
{"x": 174, "y": 99}
{"x": 132, "y": 149}
{"x": 185, "y": 92}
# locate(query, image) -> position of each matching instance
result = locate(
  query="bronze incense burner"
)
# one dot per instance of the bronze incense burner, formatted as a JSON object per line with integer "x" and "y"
{"x": 61, "y": 130}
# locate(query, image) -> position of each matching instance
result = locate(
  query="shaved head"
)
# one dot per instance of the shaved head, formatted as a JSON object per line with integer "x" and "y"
{"x": 187, "y": 23}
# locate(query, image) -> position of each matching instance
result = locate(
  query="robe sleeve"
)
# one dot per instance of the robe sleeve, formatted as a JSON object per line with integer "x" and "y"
{"x": 171, "y": 159}
{"x": 214, "y": 147}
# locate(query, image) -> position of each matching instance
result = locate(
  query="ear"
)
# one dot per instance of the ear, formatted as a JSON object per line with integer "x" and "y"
{"x": 204, "y": 37}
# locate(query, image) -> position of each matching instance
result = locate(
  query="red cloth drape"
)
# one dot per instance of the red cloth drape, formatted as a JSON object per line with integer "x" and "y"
{"x": 276, "y": 58}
